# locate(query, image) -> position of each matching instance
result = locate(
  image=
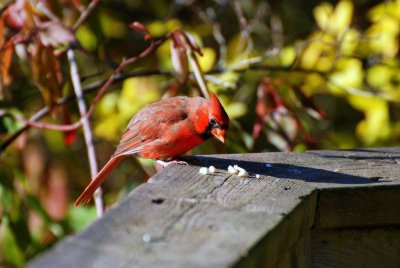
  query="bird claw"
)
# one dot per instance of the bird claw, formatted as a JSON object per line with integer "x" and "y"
{"x": 167, "y": 163}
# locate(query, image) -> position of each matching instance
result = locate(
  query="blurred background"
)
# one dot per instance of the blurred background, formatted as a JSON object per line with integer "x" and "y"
{"x": 293, "y": 76}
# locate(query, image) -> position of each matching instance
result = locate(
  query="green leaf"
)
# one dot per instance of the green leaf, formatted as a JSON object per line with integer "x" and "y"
{"x": 9, "y": 249}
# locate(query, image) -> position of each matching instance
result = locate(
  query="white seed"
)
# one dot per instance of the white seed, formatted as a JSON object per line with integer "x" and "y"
{"x": 239, "y": 168}
{"x": 232, "y": 170}
{"x": 203, "y": 170}
{"x": 211, "y": 169}
{"x": 146, "y": 238}
{"x": 257, "y": 176}
{"x": 243, "y": 173}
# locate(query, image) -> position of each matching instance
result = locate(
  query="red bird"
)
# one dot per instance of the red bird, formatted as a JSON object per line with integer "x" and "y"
{"x": 164, "y": 130}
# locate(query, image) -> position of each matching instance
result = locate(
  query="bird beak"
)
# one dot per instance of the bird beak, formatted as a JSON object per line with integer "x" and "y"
{"x": 219, "y": 134}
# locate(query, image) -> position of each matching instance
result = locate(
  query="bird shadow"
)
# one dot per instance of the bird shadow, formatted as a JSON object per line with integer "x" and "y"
{"x": 281, "y": 171}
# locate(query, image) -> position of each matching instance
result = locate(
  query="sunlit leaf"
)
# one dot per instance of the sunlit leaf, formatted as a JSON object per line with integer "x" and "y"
{"x": 87, "y": 38}
{"x": 8, "y": 244}
{"x": 112, "y": 26}
{"x": 350, "y": 42}
{"x": 173, "y": 24}
{"x": 108, "y": 128}
{"x": 287, "y": 56}
{"x": 379, "y": 76}
{"x": 136, "y": 93}
{"x": 207, "y": 61}
{"x": 320, "y": 54}
{"x": 348, "y": 73}
{"x": 376, "y": 125}
{"x": 235, "y": 109}
{"x": 335, "y": 20}
{"x": 157, "y": 28}
{"x": 383, "y": 35}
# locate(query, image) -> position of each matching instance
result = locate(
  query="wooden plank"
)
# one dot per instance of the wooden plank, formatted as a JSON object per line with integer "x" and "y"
{"x": 299, "y": 255}
{"x": 356, "y": 248}
{"x": 359, "y": 207}
{"x": 184, "y": 219}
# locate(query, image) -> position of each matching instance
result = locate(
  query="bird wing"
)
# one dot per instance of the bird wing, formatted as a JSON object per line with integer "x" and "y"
{"x": 150, "y": 123}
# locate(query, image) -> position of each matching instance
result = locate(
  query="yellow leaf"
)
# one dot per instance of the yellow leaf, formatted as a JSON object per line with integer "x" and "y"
{"x": 236, "y": 109}
{"x": 108, "y": 127}
{"x": 348, "y": 73}
{"x": 108, "y": 104}
{"x": 334, "y": 20}
{"x": 379, "y": 76}
{"x": 320, "y": 54}
{"x": 207, "y": 61}
{"x": 111, "y": 26}
{"x": 86, "y": 38}
{"x": 288, "y": 56}
{"x": 136, "y": 93}
{"x": 350, "y": 42}
{"x": 376, "y": 125}
{"x": 173, "y": 24}
{"x": 322, "y": 14}
{"x": 157, "y": 28}
{"x": 383, "y": 35}
{"x": 313, "y": 83}
{"x": 342, "y": 17}
{"x": 391, "y": 8}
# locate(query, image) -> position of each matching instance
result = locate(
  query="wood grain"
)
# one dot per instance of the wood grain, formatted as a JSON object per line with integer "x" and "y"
{"x": 354, "y": 248}
{"x": 184, "y": 219}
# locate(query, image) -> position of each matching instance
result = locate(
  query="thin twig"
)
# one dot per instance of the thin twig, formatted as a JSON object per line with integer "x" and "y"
{"x": 85, "y": 14}
{"x": 153, "y": 45}
{"x": 88, "y": 89}
{"x": 210, "y": 17}
{"x": 198, "y": 73}
{"x": 244, "y": 66}
{"x": 87, "y": 131}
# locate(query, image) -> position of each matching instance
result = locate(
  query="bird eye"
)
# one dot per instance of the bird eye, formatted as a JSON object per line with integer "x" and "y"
{"x": 213, "y": 122}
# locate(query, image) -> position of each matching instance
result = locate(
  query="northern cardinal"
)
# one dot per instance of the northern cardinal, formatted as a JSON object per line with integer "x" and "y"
{"x": 164, "y": 130}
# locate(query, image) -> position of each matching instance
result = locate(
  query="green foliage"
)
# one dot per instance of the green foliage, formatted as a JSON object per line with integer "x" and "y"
{"x": 293, "y": 76}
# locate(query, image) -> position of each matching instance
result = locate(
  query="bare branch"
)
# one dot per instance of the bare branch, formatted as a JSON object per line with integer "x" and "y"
{"x": 87, "y": 131}
{"x": 88, "y": 89}
{"x": 85, "y": 14}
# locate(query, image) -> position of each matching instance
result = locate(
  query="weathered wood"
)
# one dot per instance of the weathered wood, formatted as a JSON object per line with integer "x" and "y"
{"x": 184, "y": 219}
{"x": 355, "y": 248}
{"x": 359, "y": 207}
{"x": 190, "y": 219}
{"x": 299, "y": 255}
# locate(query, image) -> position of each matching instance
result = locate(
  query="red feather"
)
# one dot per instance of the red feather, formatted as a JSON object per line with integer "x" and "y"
{"x": 164, "y": 130}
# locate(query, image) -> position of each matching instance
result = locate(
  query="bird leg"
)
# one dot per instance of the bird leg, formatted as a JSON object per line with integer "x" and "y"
{"x": 167, "y": 163}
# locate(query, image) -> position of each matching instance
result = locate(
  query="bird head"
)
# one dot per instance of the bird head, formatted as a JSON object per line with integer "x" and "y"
{"x": 218, "y": 119}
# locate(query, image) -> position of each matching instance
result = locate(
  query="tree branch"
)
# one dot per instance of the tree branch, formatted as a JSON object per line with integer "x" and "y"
{"x": 87, "y": 131}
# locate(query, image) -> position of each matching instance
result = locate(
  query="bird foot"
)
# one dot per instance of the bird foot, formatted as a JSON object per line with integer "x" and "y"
{"x": 167, "y": 163}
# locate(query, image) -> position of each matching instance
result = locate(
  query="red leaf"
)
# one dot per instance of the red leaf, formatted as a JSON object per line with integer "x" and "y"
{"x": 180, "y": 61}
{"x": 69, "y": 136}
{"x": 55, "y": 34}
{"x": 138, "y": 27}
{"x": 19, "y": 16}
{"x": 47, "y": 74}
{"x": 6, "y": 55}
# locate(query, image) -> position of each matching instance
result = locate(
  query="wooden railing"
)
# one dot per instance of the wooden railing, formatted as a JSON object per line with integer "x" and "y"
{"x": 314, "y": 209}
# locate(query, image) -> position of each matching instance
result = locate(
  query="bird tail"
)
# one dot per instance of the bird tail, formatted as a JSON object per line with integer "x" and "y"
{"x": 87, "y": 194}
